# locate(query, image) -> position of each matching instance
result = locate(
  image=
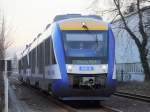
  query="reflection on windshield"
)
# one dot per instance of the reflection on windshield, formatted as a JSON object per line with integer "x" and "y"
{"x": 85, "y": 44}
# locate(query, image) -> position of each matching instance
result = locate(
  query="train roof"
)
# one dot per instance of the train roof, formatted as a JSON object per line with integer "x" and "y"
{"x": 68, "y": 16}
{"x": 81, "y": 23}
{"x": 77, "y": 21}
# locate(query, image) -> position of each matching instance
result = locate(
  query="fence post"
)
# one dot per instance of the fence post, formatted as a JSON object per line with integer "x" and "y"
{"x": 122, "y": 74}
{"x": 6, "y": 88}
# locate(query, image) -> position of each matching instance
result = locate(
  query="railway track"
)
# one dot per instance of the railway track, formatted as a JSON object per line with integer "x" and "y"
{"x": 68, "y": 107}
{"x": 133, "y": 96}
{"x": 71, "y": 108}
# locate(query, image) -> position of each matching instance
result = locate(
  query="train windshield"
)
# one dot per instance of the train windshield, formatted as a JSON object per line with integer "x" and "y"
{"x": 88, "y": 44}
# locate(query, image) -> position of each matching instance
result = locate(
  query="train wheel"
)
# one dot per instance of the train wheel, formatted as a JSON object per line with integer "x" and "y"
{"x": 20, "y": 79}
{"x": 95, "y": 102}
{"x": 49, "y": 89}
{"x": 28, "y": 82}
{"x": 37, "y": 84}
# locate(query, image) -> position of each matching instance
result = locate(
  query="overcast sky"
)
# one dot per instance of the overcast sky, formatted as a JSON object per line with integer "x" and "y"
{"x": 27, "y": 18}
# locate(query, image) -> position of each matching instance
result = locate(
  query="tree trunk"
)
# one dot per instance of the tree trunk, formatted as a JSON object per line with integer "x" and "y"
{"x": 145, "y": 65}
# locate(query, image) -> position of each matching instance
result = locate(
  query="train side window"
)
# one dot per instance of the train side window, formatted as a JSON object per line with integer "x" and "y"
{"x": 33, "y": 55}
{"x": 38, "y": 55}
{"x": 47, "y": 51}
{"x": 40, "y": 58}
{"x": 19, "y": 66}
{"x": 53, "y": 59}
{"x": 21, "y": 62}
{"x": 24, "y": 64}
{"x": 30, "y": 60}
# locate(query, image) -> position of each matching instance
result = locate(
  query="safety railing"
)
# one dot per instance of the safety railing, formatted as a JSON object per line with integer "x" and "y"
{"x": 129, "y": 71}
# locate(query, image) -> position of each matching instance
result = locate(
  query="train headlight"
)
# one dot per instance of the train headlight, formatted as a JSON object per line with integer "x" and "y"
{"x": 69, "y": 67}
{"x": 104, "y": 68}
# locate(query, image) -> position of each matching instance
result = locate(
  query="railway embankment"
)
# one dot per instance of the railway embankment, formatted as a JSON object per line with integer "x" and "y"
{"x": 134, "y": 87}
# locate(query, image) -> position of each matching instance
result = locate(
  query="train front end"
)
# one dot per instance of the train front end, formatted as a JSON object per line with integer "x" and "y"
{"x": 85, "y": 53}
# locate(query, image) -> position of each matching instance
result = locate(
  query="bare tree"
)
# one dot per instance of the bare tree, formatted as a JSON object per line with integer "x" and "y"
{"x": 122, "y": 8}
{"x": 3, "y": 35}
{"x": 3, "y": 46}
{"x": 2, "y": 56}
{"x": 2, "y": 40}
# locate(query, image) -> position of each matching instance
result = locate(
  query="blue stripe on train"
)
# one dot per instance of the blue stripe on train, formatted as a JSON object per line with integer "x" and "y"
{"x": 111, "y": 56}
{"x": 60, "y": 58}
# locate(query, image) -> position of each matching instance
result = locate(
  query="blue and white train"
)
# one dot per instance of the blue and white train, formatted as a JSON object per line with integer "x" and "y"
{"x": 73, "y": 59}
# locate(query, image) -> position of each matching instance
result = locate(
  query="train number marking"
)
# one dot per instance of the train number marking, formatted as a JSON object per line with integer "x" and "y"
{"x": 86, "y": 68}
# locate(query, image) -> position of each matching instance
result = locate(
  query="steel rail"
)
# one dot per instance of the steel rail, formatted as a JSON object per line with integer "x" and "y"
{"x": 110, "y": 109}
{"x": 133, "y": 96}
